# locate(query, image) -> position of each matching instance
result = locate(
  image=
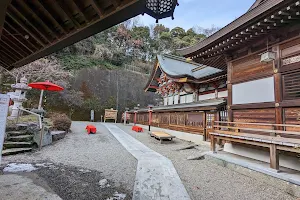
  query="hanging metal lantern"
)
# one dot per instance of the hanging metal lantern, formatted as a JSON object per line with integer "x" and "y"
{"x": 161, "y": 8}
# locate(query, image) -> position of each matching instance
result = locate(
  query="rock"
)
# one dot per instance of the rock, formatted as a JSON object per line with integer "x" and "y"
{"x": 200, "y": 156}
{"x": 58, "y": 135}
{"x": 187, "y": 147}
{"x": 103, "y": 183}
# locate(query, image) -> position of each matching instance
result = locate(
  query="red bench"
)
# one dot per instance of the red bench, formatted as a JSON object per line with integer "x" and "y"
{"x": 91, "y": 129}
{"x": 137, "y": 129}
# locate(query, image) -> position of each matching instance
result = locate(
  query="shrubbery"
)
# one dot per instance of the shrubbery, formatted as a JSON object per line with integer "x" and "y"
{"x": 61, "y": 122}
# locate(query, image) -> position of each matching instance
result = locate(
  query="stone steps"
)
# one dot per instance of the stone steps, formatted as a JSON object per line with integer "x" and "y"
{"x": 9, "y": 145}
{"x": 20, "y": 138}
{"x": 16, "y": 133}
{"x": 13, "y": 151}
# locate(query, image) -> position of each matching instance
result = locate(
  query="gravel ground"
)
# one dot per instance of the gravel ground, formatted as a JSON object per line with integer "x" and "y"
{"x": 206, "y": 180}
{"x": 73, "y": 183}
{"x": 100, "y": 152}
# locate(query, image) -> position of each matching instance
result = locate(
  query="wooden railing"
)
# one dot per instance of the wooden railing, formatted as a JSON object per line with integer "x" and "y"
{"x": 273, "y": 136}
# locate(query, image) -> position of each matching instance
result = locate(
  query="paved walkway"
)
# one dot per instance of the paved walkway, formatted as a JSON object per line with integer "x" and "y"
{"x": 156, "y": 177}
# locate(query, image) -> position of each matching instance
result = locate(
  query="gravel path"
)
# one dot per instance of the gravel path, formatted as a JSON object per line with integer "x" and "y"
{"x": 100, "y": 152}
{"x": 206, "y": 180}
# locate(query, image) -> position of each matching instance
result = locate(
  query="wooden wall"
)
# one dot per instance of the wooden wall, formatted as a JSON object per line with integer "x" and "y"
{"x": 286, "y": 72}
{"x": 191, "y": 122}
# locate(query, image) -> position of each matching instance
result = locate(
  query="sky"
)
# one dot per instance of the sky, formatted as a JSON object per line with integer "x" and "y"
{"x": 203, "y": 13}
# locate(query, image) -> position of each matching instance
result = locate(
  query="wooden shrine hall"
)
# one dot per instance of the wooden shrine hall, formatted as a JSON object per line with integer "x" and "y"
{"x": 260, "y": 51}
{"x": 260, "y": 54}
{"x": 194, "y": 95}
{"x": 31, "y": 29}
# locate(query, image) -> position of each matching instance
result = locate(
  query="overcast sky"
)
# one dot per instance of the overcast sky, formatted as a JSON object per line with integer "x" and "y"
{"x": 203, "y": 13}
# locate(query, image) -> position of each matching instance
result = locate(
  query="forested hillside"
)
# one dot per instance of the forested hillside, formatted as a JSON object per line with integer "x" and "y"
{"x": 107, "y": 70}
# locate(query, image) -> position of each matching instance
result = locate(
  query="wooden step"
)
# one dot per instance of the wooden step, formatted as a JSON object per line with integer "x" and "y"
{"x": 20, "y": 138}
{"x": 13, "y": 151}
{"x": 10, "y": 145}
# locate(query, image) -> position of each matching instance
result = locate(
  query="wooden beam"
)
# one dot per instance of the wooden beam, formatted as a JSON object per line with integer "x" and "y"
{"x": 96, "y": 8}
{"x": 15, "y": 45}
{"x": 3, "y": 63}
{"x": 18, "y": 33}
{"x": 13, "y": 50}
{"x": 40, "y": 21}
{"x": 49, "y": 15}
{"x": 64, "y": 10}
{"x": 79, "y": 10}
{"x": 26, "y": 29}
{"x": 3, "y": 7}
{"x": 9, "y": 56}
{"x": 29, "y": 23}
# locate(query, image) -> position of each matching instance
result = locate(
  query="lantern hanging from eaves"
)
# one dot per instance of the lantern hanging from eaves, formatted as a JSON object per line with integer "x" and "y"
{"x": 161, "y": 8}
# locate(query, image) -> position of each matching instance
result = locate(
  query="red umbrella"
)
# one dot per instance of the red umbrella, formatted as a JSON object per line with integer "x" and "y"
{"x": 47, "y": 85}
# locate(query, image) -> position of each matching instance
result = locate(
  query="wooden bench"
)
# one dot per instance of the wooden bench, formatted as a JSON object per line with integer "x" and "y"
{"x": 270, "y": 138}
{"x": 162, "y": 136}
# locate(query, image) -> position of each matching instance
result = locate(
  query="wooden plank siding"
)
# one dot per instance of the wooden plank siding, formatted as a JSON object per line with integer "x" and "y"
{"x": 250, "y": 68}
{"x": 190, "y": 122}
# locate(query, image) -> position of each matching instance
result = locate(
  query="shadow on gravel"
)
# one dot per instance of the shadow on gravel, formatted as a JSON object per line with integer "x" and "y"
{"x": 73, "y": 183}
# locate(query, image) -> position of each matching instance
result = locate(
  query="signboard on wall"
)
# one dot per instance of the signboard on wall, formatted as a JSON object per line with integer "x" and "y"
{"x": 110, "y": 114}
{"x": 4, "y": 101}
{"x": 258, "y": 91}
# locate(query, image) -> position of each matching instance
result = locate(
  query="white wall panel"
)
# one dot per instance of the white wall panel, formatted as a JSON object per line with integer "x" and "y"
{"x": 170, "y": 100}
{"x": 165, "y": 101}
{"x": 182, "y": 99}
{"x": 189, "y": 98}
{"x": 223, "y": 94}
{"x": 207, "y": 96}
{"x": 257, "y": 91}
{"x": 176, "y": 99}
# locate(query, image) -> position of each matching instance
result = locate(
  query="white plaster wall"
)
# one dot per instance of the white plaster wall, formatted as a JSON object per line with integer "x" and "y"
{"x": 284, "y": 160}
{"x": 223, "y": 94}
{"x": 189, "y": 98}
{"x": 170, "y": 100}
{"x": 207, "y": 96}
{"x": 176, "y": 99}
{"x": 165, "y": 101}
{"x": 257, "y": 91}
{"x": 182, "y": 99}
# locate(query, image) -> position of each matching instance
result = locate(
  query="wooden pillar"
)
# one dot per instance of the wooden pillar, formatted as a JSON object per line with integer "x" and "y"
{"x": 278, "y": 87}
{"x": 274, "y": 157}
{"x": 229, "y": 88}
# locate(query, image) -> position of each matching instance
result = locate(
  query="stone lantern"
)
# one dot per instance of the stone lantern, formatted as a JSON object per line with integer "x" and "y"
{"x": 18, "y": 96}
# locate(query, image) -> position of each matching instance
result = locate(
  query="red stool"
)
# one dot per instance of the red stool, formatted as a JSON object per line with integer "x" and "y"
{"x": 91, "y": 129}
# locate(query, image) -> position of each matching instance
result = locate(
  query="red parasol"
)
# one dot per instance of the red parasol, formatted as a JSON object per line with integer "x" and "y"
{"x": 47, "y": 85}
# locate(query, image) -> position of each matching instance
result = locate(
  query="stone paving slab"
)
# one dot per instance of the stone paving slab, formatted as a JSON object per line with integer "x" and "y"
{"x": 156, "y": 177}
{"x": 14, "y": 187}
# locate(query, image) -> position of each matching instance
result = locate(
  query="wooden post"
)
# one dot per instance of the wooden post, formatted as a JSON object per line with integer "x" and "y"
{"x": 135, "y": 113}
{"x": 204, "y": 126}
{"x": 212, "y": 143}
{"x": 274, "y": 157}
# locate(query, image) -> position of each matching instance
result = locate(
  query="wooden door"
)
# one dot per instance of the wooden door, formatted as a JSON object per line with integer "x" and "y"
{"x": 210, "y": 118}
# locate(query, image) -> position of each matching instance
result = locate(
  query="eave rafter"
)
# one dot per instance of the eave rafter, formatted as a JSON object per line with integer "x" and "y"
{"x": 32, "y": 29}
{"x": 267, "y": 23}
